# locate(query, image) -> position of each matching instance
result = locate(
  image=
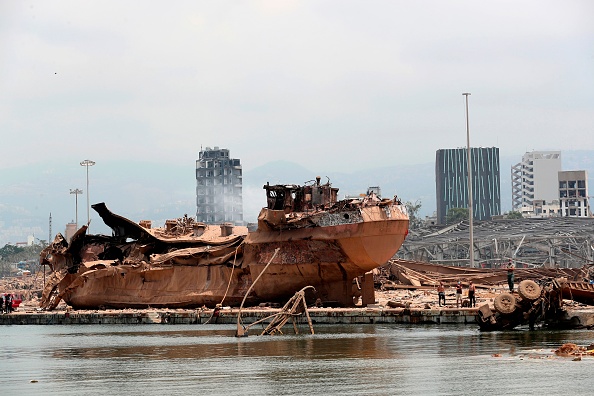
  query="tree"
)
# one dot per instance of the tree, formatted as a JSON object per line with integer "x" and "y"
{"x": 414, "y": 221}
{"x": 11, "y": 254}
{"x": 514, "y": 215}
{"x": 456, "y": 215}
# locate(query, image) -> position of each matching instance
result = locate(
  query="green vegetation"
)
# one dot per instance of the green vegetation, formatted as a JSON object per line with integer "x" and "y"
{"x": 456, "y": 215}
{"x": 11, "y": 254}
{"x": 414, "y": 221}
{"x": 514, "y": 215}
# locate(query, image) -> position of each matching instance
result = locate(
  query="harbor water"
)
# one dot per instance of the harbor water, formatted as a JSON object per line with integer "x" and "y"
{"x": 338, "y": 359}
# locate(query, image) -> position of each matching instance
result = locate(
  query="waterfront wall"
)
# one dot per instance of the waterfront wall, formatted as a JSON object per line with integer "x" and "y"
{"x": 229, "y": 316}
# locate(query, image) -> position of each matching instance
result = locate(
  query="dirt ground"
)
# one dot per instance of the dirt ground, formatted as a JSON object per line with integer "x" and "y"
{"x": 29, "y": 290}
{"x": 428, "y": 298}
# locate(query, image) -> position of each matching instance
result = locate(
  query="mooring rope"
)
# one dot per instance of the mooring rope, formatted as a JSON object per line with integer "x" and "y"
{"x": 228, "y": 284}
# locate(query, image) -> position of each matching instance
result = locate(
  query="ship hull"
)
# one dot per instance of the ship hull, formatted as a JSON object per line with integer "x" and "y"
{"x": 140, "y": 267}
{"x": 328, "y": 258}
{"x": 174, "y": 287}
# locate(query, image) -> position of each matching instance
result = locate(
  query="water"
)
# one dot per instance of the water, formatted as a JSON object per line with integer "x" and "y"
{"x": 347, "y": 360}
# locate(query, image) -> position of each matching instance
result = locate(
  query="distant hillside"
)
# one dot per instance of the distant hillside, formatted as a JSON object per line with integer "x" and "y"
{"x": 152, "y": 191}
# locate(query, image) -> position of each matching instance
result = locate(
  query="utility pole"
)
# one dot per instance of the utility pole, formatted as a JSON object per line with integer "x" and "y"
{"x": 470, "y": 203}
{"x": 76, "y": 191}
{"x": 88, "y": 163}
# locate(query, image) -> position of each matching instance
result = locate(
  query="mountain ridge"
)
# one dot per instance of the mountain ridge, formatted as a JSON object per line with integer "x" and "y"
{"x": 155, "y": 191}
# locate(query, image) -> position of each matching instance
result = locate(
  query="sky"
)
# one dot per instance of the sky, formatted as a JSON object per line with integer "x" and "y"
{"x": 334, "y": 85}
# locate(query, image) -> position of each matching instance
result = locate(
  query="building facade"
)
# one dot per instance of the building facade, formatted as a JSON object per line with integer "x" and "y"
{"x": 573, "y": 194}
{"x": 534, "y": 180}
{"x": 218, "y": 187}
{"x": 451, "y": 176}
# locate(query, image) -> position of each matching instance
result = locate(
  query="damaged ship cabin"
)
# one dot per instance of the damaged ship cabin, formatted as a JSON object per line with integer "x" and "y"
{"x": 295, "y": 198}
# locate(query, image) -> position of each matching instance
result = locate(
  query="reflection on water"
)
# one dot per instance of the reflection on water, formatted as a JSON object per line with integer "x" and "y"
{"x": 362, "y": 359}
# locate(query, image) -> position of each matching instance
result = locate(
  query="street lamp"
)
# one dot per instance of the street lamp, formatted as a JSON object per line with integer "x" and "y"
{"x": 470, "y": 203}
{"x": 76, "y": 191}
{"x": 88, "y": 163}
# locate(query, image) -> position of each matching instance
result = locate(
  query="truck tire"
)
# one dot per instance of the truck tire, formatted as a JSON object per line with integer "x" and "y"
{"x": 529, "y": 290}
{"x": 505, "y": 303}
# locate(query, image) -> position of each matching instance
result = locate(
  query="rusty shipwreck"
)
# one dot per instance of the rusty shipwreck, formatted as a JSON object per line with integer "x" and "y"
{"x": 323, "y": 242}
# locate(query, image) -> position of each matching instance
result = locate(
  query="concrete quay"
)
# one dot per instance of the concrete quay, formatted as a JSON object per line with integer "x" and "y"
{"x": 577, "y": 317}
{"x": 229, "y": 316}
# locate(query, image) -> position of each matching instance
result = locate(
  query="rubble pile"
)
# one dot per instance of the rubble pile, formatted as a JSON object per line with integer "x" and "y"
{"x": 569, "y": 349}
{"x": 398, "y": 273}
{"x": 540, "y": 295}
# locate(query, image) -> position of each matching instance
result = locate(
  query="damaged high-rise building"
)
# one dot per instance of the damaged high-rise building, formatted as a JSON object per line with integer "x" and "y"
{"x": 218, "y": 187}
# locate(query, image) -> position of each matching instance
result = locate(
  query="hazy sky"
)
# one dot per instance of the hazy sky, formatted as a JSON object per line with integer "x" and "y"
{"x": 330, "y": 85}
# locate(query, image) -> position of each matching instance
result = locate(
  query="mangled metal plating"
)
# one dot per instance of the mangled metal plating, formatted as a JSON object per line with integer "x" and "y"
{"x": 323, "y": 242}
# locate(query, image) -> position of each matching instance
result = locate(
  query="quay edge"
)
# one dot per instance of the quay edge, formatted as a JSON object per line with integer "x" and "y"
{"x": 575, "y": 318}
{"x": 229, "y": 316}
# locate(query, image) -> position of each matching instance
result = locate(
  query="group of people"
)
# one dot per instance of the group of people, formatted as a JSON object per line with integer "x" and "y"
{"x": 7, "y": 303}
{"x": 472, "y": 288}
{"x": 471, "y": 294}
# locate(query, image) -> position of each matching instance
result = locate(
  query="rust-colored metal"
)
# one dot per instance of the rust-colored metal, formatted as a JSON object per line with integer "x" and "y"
{"x": 323, "y": 242}
{"x": 296, "y": 306}
{"x": 582, "y": 292}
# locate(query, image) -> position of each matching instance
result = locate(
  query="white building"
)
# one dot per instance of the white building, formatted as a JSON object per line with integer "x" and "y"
{"x": 573, "y": 193}
{"x": 541, "y": 209}
{"x": 535, "y": 180}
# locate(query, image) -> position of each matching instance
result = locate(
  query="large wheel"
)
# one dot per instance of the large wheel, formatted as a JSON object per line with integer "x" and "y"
{"x": 529, "y": 290}
{"x": 505, "y": 303}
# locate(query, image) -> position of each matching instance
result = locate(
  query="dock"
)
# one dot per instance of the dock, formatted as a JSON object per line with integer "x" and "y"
{"x": 576, "y": 318}
{"x": 373, "y": 315}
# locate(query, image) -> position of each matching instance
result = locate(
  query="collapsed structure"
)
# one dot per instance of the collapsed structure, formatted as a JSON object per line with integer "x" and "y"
{"x": 538, "y": 298}
{"x": 323, "y": 242}
{"x": 548, "y": 242}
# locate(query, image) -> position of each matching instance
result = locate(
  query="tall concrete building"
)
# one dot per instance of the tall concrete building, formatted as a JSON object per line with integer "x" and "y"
{"x": 451, "y": 177}
{"x": 534, "y": 180}
{"x": 218, "y": 188}
{"x": 573, "y": 194}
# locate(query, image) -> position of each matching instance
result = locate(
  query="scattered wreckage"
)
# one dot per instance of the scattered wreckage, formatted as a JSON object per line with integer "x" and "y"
{"x": 534, "y": 303}
{"x": 322, "y": 242}
{"x": 538, "y": 298}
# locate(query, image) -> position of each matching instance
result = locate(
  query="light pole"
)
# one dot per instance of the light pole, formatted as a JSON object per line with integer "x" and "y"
{"x": 76, "y": 191}
{"x": 88, "y": 163}
{"x": 470, "y": 203}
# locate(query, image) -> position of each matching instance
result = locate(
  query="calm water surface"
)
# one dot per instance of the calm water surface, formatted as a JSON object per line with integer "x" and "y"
{"x": 353, "y": 360}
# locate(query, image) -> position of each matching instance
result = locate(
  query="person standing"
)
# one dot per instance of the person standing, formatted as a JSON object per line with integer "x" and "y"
{"x": 458, "y": 294}
{"x": 441, "y": 294}
{"x": 7, "y": 303}
{"x": 471, "y": 295}
{"x": 510, "y": 275}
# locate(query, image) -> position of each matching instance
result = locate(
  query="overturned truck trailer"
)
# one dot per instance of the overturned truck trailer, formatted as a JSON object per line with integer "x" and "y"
{"x": 535, "y": 303}
{"x": 323, "y": 242}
